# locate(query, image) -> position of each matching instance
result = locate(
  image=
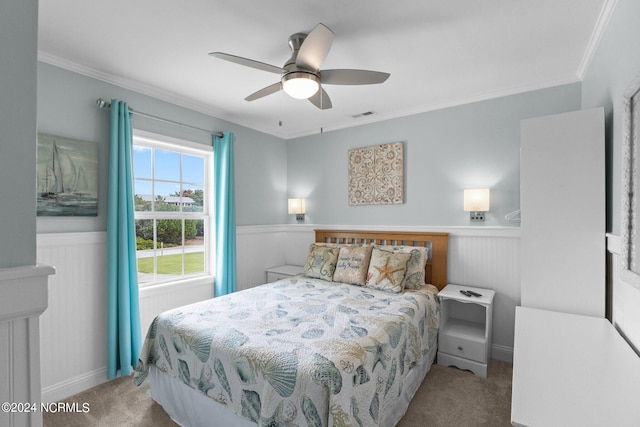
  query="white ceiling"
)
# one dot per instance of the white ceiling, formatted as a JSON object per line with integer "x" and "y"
{"x": 439, "y": 53}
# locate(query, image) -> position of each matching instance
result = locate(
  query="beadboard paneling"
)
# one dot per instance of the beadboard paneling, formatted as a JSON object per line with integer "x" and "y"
{"x": 258, "y": 248}
{"x": 490, "y": 262}
{"x": 73, "y": 328}
{"x": 157, "y": 299}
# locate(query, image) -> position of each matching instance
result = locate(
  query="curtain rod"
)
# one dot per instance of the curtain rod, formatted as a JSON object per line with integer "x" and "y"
{"x": 102, "y": 103}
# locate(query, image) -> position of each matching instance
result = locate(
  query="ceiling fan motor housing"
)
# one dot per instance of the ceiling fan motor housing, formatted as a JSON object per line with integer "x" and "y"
{"x": 297, "y": 81}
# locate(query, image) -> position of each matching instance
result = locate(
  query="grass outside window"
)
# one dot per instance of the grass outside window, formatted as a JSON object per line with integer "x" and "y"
{"x": 172, "y": 264}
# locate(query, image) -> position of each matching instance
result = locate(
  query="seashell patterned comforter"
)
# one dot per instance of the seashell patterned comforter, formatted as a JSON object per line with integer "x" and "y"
{"x": 297, "y": 352}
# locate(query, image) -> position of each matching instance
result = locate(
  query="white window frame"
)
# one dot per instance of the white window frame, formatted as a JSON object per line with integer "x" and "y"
{"x": 156, "y": 141}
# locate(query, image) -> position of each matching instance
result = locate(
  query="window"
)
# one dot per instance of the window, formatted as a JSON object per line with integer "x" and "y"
{"x": 172, "y": 205}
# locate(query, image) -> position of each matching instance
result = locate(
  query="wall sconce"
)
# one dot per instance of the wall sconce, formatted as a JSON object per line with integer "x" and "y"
{"x": 296, "y": 206}
{"x": 476, "y": 201}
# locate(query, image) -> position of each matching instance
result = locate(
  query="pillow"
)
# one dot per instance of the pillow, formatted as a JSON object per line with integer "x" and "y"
{"x": 321, "y": 262}
{"x": 414, "y": 278}
{"x": 387, "y": 270}
{"x": 353, "y": 264}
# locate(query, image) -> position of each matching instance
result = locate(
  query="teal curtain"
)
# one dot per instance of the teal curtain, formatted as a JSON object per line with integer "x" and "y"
{"x": 123, "y": 312}
{"x": 225, "y": 214}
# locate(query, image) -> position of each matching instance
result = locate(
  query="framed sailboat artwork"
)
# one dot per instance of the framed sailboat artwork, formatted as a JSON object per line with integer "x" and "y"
{"x": 67, "y": 182}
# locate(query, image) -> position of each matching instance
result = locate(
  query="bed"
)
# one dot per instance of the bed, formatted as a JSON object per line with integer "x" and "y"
{"x": 307, "y": 350}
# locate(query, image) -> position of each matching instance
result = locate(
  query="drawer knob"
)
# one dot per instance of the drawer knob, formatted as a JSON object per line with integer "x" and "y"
{"x": 460, "y": 347}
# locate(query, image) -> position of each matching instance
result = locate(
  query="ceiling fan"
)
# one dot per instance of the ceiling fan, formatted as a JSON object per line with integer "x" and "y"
{"x": 300, "y": 76}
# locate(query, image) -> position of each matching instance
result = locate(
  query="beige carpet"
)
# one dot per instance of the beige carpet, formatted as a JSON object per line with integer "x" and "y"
{"x": 448, "y": 397}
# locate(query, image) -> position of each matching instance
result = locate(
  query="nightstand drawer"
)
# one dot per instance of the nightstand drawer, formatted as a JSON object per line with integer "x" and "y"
{"x": 468, "y": 349}
{"x": 272, "y": 277}
{"x": 283, "y": 272}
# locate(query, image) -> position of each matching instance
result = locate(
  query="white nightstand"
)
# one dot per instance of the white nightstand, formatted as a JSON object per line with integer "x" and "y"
{"x": 283, "y": 271}
{"x": 464, "y": 339}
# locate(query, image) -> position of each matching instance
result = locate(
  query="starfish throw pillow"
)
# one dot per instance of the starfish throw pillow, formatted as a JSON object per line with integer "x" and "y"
{"x": 387, "y": 270}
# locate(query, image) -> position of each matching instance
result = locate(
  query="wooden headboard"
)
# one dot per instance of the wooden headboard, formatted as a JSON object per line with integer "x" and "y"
{"x": 436, "y": 268}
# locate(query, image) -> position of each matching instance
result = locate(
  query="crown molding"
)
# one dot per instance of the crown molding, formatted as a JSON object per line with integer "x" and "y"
{"x": 486, "y": 96}
{"x": 148, "y": 90}
{"x": 601, "y": 25}
{"x": 182, "y": 101}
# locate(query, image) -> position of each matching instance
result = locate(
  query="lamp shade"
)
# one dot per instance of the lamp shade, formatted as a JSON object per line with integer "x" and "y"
{"x": 296, "y": 206}
{"x": 477, "y": 200}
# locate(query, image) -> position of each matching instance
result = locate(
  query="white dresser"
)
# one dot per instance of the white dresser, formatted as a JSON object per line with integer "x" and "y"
{"x": 572, "y": 370}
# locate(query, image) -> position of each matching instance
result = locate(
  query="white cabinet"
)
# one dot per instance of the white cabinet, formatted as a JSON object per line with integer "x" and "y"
{"x": 283, "y": 271}
{"x": 464, "y": 339}
{"x": 571, "y": 370}
{"x": 562, "y": 199}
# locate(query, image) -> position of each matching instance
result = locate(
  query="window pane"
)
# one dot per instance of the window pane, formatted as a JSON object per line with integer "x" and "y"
{"x": 167, "y": 196}
{"x": 169, "y": 232}
{"x": 193, "y": 199}
{"x": 143, "y": 195}
{"x": 192, "y": 169}
{"x": 194, "y": 246}
{"x": 167, "y": 165}
{"x": 142, "y": 162}
{"x": 145, "y": 252}
{"x": 169, "y": 252}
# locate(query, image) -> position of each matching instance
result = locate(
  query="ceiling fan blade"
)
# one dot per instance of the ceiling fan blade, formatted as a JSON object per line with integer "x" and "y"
{"x": 352, "y": 77}
{"x": 321, "y": 100}
{"x": 315, "y": 48}
{"x": 247, "y": 62}
{"x": 264, "y": 92}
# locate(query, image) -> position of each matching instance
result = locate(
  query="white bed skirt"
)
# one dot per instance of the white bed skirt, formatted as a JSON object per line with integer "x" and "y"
{"x": 190, "y": 408}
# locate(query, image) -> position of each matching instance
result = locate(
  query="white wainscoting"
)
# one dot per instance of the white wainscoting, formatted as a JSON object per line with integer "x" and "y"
{"x": 157, "y": 299}
{"x": 625, "y": 314}
{"x": 73, "y": 329}
{"x": 490, "y": 259}
{"x": 258, "y": 247}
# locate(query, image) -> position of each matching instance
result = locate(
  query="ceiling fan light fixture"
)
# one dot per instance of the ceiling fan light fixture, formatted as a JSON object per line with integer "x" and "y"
{"x": 300, "y": 85}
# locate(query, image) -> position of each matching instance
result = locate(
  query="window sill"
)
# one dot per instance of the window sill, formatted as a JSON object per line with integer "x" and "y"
{"x": 175, "y": 285}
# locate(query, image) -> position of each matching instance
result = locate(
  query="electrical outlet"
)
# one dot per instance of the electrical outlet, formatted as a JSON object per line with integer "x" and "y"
{"x": 477, "y": 216}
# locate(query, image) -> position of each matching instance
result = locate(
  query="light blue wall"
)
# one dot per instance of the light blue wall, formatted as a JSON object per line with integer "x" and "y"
{"x": 18, "y": 55}
{"x": 614, "y": 66}
{"x": 470, "y": 146}
{"x": 473, "y": 145}
{"x": 67, "y": 107}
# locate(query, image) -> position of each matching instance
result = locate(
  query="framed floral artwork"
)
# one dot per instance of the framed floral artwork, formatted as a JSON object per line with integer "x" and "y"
{"x": 376, "y": 174}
